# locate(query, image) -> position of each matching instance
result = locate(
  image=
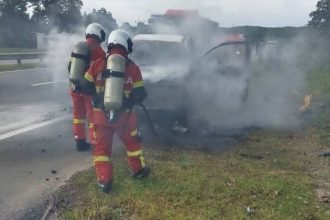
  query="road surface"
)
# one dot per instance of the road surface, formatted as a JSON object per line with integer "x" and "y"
{"x": 36, "y": 147}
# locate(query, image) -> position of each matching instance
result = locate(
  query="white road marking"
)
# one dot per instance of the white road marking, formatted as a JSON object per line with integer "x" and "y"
{"x": 11, "y": 71}
{"x": 47, "y": 83}
{"x": 32, "y": 127}
{"x": 14, "y": 125}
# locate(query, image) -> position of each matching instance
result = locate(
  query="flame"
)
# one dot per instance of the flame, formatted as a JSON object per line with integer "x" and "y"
{"x": 307, "y": 102}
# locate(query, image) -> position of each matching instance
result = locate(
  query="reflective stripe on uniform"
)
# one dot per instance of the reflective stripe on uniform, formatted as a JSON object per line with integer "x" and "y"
{"x": 97, "y": 109}
{"x": 134, "y": 153}
{"x": 78, "y": 121}
{"x": 134, "y": 132}
{"x": 138, "y": 84}
{"x": 99, "y": 89}
{"x": 101, "y": 159}
{"x": 138, "y": 154}
{"x": 143, "y": 164}
{"x": 89, "y": 77}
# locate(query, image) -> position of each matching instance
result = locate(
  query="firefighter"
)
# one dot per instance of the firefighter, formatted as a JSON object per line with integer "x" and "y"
{"x": 125, "y": 91}
{"x": 82, "y": 56}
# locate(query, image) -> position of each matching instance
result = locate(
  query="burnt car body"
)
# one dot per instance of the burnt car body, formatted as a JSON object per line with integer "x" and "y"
{"x": 164, "y": 61}
{"x": 187, "y": 85}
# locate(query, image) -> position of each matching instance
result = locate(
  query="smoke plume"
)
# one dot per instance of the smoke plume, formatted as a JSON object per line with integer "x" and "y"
{"x": 267, "y": 93}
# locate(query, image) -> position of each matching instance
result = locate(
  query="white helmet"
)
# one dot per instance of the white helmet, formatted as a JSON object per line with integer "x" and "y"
{"x": 95, "y": 31}
{"x": 121, "y": 38}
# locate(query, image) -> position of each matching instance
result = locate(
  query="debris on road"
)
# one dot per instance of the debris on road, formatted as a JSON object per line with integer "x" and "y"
{"x": 325, "y": 154}
{"x": 53, "y": 171}
{"x": 323, "y": 196}
{"x": 250, "y": 211}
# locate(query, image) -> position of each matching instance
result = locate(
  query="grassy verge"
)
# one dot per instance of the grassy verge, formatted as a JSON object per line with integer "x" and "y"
{"x": 10, "y": 67}
{"x": 272, "y": 174}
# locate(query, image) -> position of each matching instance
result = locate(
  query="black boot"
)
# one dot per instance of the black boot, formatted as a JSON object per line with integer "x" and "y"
{"x": 105, "y": 187}
{"x": 143, "y": 173}
{"x": 82, "y": 145}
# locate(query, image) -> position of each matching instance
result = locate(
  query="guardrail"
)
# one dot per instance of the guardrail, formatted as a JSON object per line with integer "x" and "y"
{"x": 22, "y": 56}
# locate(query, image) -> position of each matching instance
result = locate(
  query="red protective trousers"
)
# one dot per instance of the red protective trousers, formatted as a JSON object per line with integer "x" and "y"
{"x": 126, "y": 127}
{"x": 82, "y": 109}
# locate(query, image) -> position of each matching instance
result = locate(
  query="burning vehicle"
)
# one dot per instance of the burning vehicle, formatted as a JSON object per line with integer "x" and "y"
{"x": 226, "y": 62}
{"x": 162, "y": 56}
{"x": 164, "y": 61}
{"x": 183, "y": 85}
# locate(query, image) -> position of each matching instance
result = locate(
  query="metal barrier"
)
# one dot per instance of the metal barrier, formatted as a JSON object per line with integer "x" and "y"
{"x": 21, "y": 56}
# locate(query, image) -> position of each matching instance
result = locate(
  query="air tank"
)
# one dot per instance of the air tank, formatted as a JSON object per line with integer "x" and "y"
{"x": 79, "y": 62}
{"x": 114, "y": 84}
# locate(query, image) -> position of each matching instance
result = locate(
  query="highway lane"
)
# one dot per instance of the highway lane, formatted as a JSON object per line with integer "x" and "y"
{"x": 36, "y": 147}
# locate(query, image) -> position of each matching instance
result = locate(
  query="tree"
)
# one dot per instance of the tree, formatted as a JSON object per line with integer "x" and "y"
{"x": 65, "y": 15}
{"x": 320, "y": 18}
{"x": 103, "y": 17}
{"x": 15, "y": 25}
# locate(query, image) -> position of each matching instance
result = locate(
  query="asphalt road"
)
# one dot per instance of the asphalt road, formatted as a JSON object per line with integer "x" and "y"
{"x": 36, "y": 147}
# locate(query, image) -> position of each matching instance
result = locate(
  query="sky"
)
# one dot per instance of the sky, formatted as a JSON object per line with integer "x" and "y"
{"x": 268, "y": 13}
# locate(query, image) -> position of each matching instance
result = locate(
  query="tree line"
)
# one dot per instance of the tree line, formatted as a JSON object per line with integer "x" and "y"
{"x": 21, "y": 19}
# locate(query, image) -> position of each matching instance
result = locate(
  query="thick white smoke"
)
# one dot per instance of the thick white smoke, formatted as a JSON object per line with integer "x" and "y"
{"x": 274, "y": 84}
{"x": 274, "y": 94}
{"x": 59, "y": 48}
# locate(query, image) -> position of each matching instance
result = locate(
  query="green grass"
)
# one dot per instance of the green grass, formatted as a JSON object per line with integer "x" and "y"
{"x": 19, "y": 50}
{"x": 199, "y": 185}
{"x": 10, "y": 67}
{"x": 319, "y": 83}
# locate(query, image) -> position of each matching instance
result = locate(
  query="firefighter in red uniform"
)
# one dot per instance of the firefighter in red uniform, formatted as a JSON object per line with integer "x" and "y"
{"x": 82, "y": 103}
{"x": 123, "y": 122}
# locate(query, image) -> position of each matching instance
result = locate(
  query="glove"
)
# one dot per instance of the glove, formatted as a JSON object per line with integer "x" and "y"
{"x": 128, "y": 103}
{"x": 138, "y": 95}
{"x": 75, "y": 87}
{"x": 98, "y": 101}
